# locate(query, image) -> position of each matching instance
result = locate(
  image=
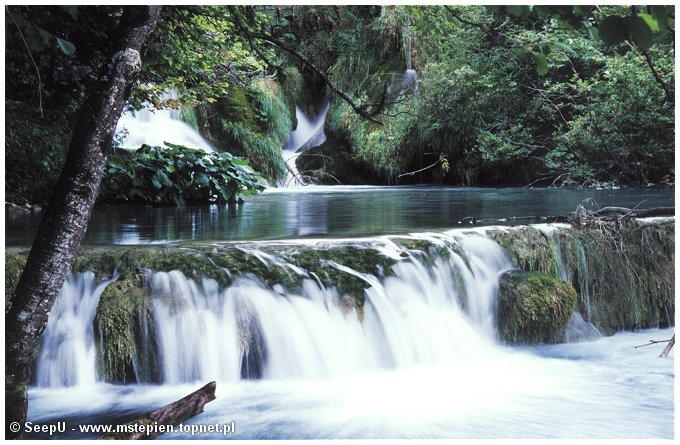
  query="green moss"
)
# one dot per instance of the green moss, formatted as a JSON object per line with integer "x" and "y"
{"x": 14, "y": 265}
{"x": 365, "y": 260}
{"x": 129, "y": 261}
{"x": 123, "y": 319}
{"x": 534, "y": 307}
{"x": 253, "y": 122}
{"x": 529, "y": 249}
{"x": 189, "y": 116}
{"x": 623, "y": 271}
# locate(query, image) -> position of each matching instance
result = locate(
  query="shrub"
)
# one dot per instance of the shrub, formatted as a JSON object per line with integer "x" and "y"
{"x": 177, "y": 175}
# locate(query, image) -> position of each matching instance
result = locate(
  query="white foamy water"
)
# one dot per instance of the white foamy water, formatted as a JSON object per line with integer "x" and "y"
{"x": 155, "y": 127}
{"x": 598, "y": 389}
{"x": 421, "y": 360}
{"x": 67, "y": 355}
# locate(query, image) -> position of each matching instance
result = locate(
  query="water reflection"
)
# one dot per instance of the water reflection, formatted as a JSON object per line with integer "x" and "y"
{"x": 332, "y": 212}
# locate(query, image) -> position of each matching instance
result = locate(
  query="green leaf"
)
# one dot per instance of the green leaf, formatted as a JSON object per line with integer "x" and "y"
{"x": 66, "y": 47}
{"x": 541, "y": 64}
{"x": 517, "y": 10}
{"x": 72, "y": 10}
{"x": 639, "y": 31}
{"x": 594, "y": 33}
{"x": 650, "y": 21}
{"x": 660, "y": 14}
{"x": 162, "y": 178}
{"x": 613, "y": 30}
{"x": 201, "y": 179}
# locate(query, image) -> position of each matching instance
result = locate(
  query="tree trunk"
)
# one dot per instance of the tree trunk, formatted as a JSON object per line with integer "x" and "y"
{"x": 63, "y": 226}
{"x": 172, "y": 414}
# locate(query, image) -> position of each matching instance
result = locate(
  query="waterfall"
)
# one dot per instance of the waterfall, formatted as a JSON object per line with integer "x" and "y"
{"x": 308, "y": 134}
{"x": 432, "y": 308}
{"x": 67, "y": 355}
{"x": 410, "y": 80}
{"x": 422, "y": 314}
{"x": 155, "y": 127}
{"x": 580, "y": 329}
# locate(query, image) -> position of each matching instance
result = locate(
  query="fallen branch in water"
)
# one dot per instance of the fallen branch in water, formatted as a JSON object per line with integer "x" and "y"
{"x": 668, "y": 347}
{"x": 155, "y": 423}
{"x": 579, "y": 217}
{"x": 653, "y": 342}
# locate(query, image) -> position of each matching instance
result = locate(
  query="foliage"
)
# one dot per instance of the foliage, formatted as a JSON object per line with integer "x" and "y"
{"x": 199, "y": 53}
{"x": 34, "y": 151}
{"x": 254, "y": 122}
{"x": 177, "y": 175}
{"x": 512, "y": 95}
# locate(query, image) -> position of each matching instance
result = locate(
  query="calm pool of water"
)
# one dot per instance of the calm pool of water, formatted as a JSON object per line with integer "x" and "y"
{"x": 339, "y": 211}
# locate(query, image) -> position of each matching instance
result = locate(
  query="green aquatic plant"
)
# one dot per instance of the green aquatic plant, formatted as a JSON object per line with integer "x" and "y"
{"x": 177, "y": 175}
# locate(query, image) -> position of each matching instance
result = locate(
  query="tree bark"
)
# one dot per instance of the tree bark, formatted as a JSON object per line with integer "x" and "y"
{"x": 63, "y": 226}
{"x": 172, "y": 414}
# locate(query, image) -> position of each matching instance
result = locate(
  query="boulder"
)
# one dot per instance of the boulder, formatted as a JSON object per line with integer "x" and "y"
{"x": 534, "y": 307}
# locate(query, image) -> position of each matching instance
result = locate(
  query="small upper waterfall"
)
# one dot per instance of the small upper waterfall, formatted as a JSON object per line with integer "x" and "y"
{"x": 155, "y": 127}
{"x": 308, "y": 134}
{"x": 410, "y": 80}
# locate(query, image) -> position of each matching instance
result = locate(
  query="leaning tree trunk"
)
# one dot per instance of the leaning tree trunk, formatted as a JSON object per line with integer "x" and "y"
{"x": 63, "y": 226}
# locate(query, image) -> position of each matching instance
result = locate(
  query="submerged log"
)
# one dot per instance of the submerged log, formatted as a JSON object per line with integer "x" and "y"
{"x": 154, "y": 424}
{"x": 668, "y": 347}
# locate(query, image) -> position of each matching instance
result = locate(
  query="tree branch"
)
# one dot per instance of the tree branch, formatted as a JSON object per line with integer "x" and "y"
{"x": 359, "y": 109}
{"x": 669, "y": 95}
{"x": 147, "y": 426}
{"x": 30, "y": 55}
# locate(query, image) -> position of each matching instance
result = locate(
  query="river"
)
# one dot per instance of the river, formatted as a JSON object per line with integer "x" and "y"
{"x": 417, "y": 363}
{"x": 337, "y": 211}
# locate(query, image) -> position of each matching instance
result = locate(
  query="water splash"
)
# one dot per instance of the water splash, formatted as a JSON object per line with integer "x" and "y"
{"x": 155, "y": 127}
{"x": 67, "y": 355}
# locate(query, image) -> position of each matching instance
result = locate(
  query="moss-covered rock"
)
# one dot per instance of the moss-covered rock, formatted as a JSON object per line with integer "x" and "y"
{"x": 321, "y": 263}
{"x": 129, "y": 261}
{"x": 533, "y": 307}
{"x": 14, "y": 265}
{"x": 623, "y": 272}
{"x": 124, "y": 332}
{"x": 253, "y": 122}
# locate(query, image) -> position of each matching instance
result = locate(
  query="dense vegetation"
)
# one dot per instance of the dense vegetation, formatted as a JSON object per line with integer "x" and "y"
{"x": 177, "y": 175}
{"x": 506, "y": 95}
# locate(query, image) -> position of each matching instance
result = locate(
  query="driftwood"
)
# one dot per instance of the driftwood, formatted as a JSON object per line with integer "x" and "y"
{"x": 151, "y": 425}
{"x": 668, "y": 347}
{"x": 638, "y": 213}
{"x": 580, "y": 217}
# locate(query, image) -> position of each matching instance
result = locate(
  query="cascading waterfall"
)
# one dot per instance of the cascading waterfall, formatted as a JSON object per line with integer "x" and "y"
{"x": 414, "y": 356}
{"x": 414, "y": 317}
{"x": 155, "y": 127}
{"x": 438, "y": 308}
{"x": 308, "y": 134}
{"x": 68, "y": 355}
{"x": 578, "y": 329}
